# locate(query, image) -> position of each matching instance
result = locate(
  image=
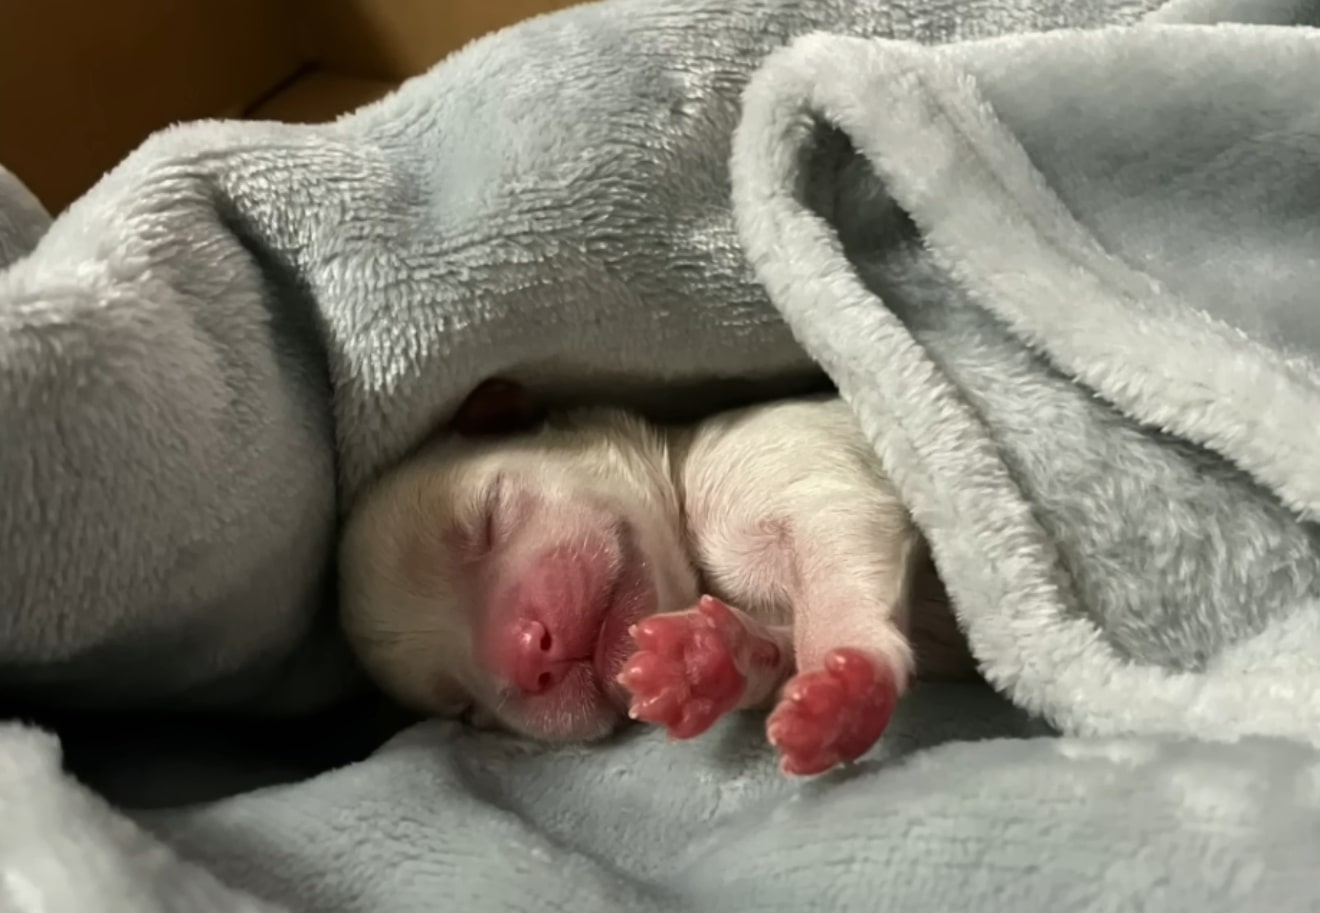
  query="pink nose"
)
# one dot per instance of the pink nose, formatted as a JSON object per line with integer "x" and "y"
{"x": 537, "y": 665}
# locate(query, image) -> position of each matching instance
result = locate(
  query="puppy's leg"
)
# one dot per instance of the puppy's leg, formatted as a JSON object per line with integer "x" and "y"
{"x": 853, "y": 658}
{"x": 692, "y": 667}
{"x": 791, "y": 516}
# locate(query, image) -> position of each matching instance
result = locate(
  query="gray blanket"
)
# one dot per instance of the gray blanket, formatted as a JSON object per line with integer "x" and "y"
{"x": 1060, "y": 257}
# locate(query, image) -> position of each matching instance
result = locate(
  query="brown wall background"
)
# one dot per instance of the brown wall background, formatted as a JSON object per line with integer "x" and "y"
{"x": 395, "y": 39}
{"x": 83, "y": 82}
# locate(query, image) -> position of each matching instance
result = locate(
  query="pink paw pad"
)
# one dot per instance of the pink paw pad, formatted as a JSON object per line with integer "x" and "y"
{"x": 685, "y": 674}
{"x": 832, "y": 715}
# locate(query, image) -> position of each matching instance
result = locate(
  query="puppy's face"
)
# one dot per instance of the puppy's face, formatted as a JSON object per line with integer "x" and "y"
{"x": 501, "y": 575}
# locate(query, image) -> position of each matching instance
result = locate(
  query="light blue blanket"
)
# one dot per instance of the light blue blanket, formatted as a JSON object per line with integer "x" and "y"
{"x": 1061, "y": 259}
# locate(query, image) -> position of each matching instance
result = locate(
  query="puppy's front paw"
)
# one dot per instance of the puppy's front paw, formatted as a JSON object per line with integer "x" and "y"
{"x": 688, "y": 668}
{"x": 834, "y": 714}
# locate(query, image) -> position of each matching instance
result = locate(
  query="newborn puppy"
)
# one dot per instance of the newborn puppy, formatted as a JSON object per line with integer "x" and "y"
{"x": 555, "y": 580}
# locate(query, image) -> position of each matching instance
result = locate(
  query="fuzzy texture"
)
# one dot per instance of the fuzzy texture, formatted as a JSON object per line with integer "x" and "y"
{"x": 23, "y": 220}
{"x": 1065, "y": 280}
{"x": 1088, "y": 371}
{"x": 244, "y": 322}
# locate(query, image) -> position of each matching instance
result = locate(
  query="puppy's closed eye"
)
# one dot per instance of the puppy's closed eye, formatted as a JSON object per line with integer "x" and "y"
{"x": 479, "y": 534}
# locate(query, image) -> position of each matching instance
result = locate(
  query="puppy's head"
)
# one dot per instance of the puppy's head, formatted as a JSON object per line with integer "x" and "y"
{"x": 500, "y": 573}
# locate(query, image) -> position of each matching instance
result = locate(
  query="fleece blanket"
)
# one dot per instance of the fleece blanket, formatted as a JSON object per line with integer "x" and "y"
{"x": 1059, "y": 258}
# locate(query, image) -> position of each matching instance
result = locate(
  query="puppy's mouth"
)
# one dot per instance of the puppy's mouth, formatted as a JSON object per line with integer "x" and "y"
{"x": 589, "y": 703}
{"x": 632, "y": 597}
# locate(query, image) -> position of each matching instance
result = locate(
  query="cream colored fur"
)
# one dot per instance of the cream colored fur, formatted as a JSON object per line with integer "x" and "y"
{"x": 781, "y": 510}
{"x": 792, "y": 519}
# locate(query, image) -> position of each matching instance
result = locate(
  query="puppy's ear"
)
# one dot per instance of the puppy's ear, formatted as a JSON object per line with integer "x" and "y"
{"x": 497, "y": 406}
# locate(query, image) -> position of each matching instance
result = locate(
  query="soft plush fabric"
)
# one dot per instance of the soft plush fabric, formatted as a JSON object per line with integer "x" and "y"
{"x": 23, "y": 220}
{"x": 1059, "y": 258}
{"x": 1081, "y": 328}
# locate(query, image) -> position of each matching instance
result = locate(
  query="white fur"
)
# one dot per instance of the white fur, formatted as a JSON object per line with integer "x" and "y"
{"x": 782, "y": 509}
{"x": 407, "y": 597}
{"x": 792, "y": 519}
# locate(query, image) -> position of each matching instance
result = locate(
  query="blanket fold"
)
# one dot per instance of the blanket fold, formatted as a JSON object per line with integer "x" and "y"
{"x": 1091, "y": 371}
{"x": 23, "y": 220}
